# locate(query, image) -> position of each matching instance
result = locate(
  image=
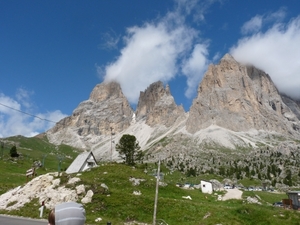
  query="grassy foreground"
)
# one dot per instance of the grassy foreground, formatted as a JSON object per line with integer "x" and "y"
{"x": 118, "y": 204}
{"x": 31, "y": 150}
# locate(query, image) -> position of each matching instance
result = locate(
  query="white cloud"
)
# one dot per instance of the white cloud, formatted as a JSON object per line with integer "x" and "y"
{"x": 187, "y": 6}
{"x": 111, "y": 40}
{"x": 276, "y": 17}
{"x": 161, "y": 50}
{"x": 252, "y": 25}
{"x": 217, "y": 57}
{"x": 151, "y": 54}
{"x": 23, "y": 96}
{"x": 194, "y": 68}
{"x": 14, "y": 120}
{"x": 258, "y": 22}
{"x": 197, "y": 8}
{"x": 276, "y": 52}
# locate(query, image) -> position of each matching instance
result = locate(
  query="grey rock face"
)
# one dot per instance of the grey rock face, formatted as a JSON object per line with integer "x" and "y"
{"x": 293, "y": 105}
{"x": 232, "y": 100}
{"x": 157, "y": 105}
{"x": 240, "y": 98}
{"x": 107, "y": 107}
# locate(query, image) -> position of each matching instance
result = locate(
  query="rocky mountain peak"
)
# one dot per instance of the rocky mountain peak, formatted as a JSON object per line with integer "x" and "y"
{"x": 168, "y": 92}
{"x": 106, "y": 109}
{"x": 149, "y": 97}
{"x": 228, "y": 58}
{"x": 157, "y": 105}
{"x": 105, "y": 91}
{"x": 240, "y": 98}
{"x": 233, "y": 99}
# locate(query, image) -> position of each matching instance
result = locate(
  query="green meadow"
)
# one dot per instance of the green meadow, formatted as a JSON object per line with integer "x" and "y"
{"x": 118, "y": 204}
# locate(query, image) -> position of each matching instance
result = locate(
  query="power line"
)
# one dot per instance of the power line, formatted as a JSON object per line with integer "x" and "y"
{"x": 27, "y": 113}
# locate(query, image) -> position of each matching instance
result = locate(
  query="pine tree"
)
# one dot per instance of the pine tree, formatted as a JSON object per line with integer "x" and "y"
{"x": 129, "y": 149}
{"x": 13, "y": 152}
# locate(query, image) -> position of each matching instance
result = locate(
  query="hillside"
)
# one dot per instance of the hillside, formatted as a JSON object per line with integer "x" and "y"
{"x": 34, "y": 152}
{"x": 114, "y": 200}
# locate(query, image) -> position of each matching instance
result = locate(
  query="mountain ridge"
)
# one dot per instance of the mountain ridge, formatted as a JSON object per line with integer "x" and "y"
{"x": 234, "y": 100}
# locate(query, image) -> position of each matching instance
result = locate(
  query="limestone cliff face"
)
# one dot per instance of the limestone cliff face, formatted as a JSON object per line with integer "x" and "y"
{"x": 107, "y": 107}
{"x": 292, "y": 104}
{"x": 157, "y": 105}
{"x": 240, "y": 98}
{"x": 231, "y": 98}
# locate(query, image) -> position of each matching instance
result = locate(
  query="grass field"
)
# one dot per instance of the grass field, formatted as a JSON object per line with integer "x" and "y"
{"x": 31, "y": 150}
{"x": 122, "y": 205}
{"x": 118, "y": 204}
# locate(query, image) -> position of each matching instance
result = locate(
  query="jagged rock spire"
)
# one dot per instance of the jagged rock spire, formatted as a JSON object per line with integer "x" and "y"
{"x": 239, "y": 98}
{"x": 157, "y": 105}
{"x": 106, "y": 108}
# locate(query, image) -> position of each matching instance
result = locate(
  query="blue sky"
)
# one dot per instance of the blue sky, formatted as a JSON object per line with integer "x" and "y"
{"x": 53, "y": 53}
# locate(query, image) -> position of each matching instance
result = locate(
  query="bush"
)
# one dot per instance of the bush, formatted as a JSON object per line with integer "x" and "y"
{"x": 13, "y": 152}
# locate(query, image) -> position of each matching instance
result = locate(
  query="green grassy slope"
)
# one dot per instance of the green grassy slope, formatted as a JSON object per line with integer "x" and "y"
{"x": 31, "y": 149}
{"x": 118, "y": 204}
{"x": 121, "y": 205}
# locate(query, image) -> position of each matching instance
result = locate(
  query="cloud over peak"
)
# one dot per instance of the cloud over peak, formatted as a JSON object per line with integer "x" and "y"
{"x": 159, "y": 50}
{"x": 275, "y": 51}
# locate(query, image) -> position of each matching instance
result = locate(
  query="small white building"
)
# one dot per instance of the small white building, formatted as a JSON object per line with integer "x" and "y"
{"x": 206, "y": 187}
{"x": 83, "y": 161}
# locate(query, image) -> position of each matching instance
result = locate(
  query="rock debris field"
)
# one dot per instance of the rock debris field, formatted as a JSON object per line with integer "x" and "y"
{"x": 46, "y": 188}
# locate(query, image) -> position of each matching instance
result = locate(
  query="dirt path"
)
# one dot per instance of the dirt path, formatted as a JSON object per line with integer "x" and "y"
{"x": 232, "y": 194}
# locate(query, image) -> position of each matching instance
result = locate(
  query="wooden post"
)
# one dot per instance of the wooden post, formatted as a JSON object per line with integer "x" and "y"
{"x": 156, "y": 192}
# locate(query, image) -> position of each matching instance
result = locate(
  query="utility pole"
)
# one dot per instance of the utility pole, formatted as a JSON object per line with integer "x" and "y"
{"x": 44, "y": 156}
{"x": 60, "y": 159}
{"x": 2, "y": 148}
{"x": 156, "y": 193}
{"x": 111, "y": 142}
